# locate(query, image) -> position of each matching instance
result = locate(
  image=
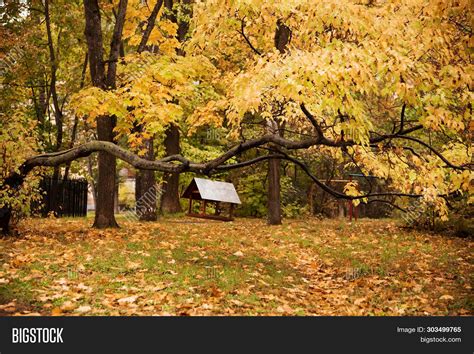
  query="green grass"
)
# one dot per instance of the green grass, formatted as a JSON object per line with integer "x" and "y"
{"x": 20, "y": 290}
{"x": 304, "y": 264}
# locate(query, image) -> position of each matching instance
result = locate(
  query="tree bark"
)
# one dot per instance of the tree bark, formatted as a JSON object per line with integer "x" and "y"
{"x": 273, "y": 196}
{"x": 170, "y": 191}
{"x": 76, "y": 117}
{"x": 274, "y": 202}
{"x": 145, "y": 188}
{"x": 104, "y": 212}
{"x": 145, "y": 192}
{"x": 282, "y": 38}
{"x": 58, "y": 115}
{"x": 92, "y": 181}
{"x": 104, "y": 215}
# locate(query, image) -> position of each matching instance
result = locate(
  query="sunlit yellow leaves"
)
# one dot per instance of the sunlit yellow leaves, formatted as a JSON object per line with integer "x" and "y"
{"x": 18, "y": 141}
{"x": 439, "y": 117}
{"x": 361, "y": 62}
{"x": 163, "y": 34}
{"x": 352, "y": 189}
{"x": 159, "y": 90}
{"x": 94, "y": 102}
{"x": 210, "y": 114}
{"x": 342, "y": 56}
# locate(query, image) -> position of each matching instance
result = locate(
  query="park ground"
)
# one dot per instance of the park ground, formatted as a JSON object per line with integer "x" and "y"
{"x": 185, "y": 266}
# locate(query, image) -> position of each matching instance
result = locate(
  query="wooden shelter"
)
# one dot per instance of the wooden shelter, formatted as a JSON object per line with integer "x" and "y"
{"x": 209, "y": 191}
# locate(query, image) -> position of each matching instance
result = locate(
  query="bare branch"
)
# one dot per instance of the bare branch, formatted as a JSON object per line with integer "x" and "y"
{"x": 115, "y": 43}
{"x": 393, "y": 205}
{"x": 340, "y": 195}
{"x": 432, "y": 149}
{"x": 242, "y": 32}
{"x": 149, "y": 27}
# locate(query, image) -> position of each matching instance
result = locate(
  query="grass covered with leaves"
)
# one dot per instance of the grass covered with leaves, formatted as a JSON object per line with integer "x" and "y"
{"x": 185, "y": 266}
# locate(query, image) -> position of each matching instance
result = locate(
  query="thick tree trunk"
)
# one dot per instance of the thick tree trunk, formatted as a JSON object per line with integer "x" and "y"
{"x": 104, "y": 215}
{"x": 274, "y": 172}
{"x": 5, "y": 216}
{"x": 170, "y": 191}
{"x": 104, "y": 212}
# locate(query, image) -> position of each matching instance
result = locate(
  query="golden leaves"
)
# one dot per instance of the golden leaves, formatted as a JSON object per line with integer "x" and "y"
{"x": 186, "y": 267}
{"x": 352, "y": 189}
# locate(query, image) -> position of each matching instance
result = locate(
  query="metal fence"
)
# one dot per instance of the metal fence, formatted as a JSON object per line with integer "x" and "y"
{"x": 63, "y": 197}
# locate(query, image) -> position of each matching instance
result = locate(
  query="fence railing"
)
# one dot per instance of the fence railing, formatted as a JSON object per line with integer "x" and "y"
{"x": 63, "y": 197}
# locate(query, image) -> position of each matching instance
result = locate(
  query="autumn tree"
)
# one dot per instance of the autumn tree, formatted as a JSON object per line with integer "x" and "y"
{"x": 105, "y": 80}
{"x": 179, "y": 13}
{"x": 39, "y": 72}
{"x": 370, "y": 81}
{"x": 385, "y": 85}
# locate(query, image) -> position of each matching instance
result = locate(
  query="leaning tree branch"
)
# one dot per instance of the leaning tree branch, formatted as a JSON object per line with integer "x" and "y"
{"x": 393, "y": 205}
{"x": 340, "y": 195}
{"x": 149, "y": 27}
{"x": 313, "y": 121}
{"x": 242, "y": 32}
{"x": 179, "y": 164}
{"x": 115, "y": 43}
{"x": 437, "y": 153}
{"x": 167, "y": 164}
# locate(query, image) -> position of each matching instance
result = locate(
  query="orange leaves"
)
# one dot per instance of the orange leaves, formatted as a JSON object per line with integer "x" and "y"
{"x": 186, "y": 267}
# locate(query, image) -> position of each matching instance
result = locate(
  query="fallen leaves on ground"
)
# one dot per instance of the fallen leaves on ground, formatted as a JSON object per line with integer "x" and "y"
{"x": 184, "y": 266}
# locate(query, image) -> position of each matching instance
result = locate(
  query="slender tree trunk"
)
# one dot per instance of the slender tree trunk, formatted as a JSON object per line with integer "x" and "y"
{"x": 58, "y": 115}
{"x": 76, "y": 117}
{"x": 170, "y": 192}
{"x": 92, "y": 181}
{"x": 41, "y": 102}
{"x": 116, "y": 193}
{"x": 145, "y": 183}
{"x": 274, "y": 172}
{"x": 282, "y": 38}
{"x": 145, "y": 188}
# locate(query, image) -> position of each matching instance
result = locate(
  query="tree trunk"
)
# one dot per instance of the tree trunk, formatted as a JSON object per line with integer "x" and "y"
{"x": 274, "y": 202}
{"x": 170, "y": 192}
{"x": 282, "y": 38}
{"x": 104, "y": 212}
{"x": 145, "y": 184}
{"x": 76, "y": 117}
{"x": 104, "y": 215}
{"x": 5, "y": 216}
{"x": 116, "y": 193}
{"x": 92, "y": 181}
{"x": 58, "y": 115}
{"x": 145, "y": 188}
